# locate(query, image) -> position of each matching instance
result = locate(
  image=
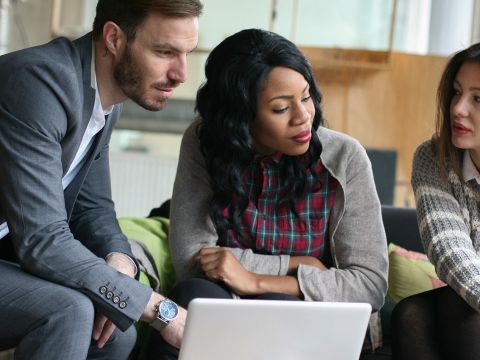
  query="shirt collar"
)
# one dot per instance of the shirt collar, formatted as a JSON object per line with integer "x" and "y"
{"x": 93, "y": 81}
{"x": 469, "y": 170}
{"x": 276, "y": 158}
{"x": 268, "y": 159}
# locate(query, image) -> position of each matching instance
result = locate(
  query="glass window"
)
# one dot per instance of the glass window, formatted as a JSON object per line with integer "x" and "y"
{"x": 356, "y": 24}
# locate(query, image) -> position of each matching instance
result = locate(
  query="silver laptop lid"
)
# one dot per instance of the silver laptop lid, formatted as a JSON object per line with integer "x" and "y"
{"x": 218, "y": 329}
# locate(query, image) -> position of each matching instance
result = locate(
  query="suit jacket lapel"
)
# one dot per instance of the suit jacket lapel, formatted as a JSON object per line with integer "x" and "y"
{"x": 84, "y": 47}
{"x": 71, "y": 192}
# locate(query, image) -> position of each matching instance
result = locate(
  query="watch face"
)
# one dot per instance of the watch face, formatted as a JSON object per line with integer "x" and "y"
{"x": 168, "y": 310}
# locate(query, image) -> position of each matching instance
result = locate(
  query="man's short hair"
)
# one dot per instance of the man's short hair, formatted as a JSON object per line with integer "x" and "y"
{"x": 130, "y": 14}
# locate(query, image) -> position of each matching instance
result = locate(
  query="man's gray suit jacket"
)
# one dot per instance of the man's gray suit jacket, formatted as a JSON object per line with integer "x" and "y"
{"x": 46, "y": 101}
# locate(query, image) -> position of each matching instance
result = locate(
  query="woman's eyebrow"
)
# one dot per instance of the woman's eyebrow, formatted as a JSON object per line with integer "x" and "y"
{"x": 287, "y": 96}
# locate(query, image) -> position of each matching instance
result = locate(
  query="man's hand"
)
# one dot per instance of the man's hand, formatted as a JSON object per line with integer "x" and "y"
{"x": 103, "y": 328}
{"x": 122, "y": 263}
{"x": 173, "y": 332}
{"x": 218, "y": 263}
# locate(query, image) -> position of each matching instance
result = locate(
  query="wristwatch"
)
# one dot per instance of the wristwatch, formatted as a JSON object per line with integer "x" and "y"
{"x": 166, "y": 311}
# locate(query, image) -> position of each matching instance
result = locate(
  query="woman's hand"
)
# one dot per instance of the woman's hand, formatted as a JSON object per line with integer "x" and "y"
{"x": 218, "y": 263}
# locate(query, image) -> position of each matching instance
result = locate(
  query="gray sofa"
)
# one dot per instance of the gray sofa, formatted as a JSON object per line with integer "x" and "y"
{"x": 401, "y": 228}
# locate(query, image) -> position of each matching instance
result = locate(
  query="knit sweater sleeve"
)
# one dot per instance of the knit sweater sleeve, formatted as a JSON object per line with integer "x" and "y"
{"x": 444, "y": 227}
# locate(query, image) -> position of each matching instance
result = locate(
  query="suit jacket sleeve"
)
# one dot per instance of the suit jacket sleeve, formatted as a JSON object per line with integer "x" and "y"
{"x": 36, "y": 113}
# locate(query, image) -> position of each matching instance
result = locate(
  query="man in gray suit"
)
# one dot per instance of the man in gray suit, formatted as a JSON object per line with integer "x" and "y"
{"x": 67, "y": 273}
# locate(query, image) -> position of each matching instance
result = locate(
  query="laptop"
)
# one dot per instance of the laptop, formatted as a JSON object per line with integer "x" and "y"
{"x": 220, "y": 329}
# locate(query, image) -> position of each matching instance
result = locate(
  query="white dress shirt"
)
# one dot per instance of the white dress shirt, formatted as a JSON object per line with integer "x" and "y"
{"x": 469, "y": 170}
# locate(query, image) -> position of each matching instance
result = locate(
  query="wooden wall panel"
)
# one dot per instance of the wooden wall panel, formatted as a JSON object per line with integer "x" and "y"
{"x": 392, "y": 107}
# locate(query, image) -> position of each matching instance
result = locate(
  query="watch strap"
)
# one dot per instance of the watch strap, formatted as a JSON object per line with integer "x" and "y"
{"x": 158, "y": 324}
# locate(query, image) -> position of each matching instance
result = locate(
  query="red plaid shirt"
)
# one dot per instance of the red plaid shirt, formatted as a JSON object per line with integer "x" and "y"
{"x": 272, "y": 229}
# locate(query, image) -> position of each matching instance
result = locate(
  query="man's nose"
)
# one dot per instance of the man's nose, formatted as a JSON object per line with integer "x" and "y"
{"x": 179, "y": 70}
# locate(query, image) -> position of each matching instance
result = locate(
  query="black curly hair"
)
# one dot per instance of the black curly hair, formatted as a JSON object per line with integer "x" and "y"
{"x": 227, "y": 105}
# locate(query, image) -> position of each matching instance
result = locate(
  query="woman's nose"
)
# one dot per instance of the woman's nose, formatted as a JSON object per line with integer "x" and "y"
{"x": 301, "y": 115}
{"x": 460, "y": 106}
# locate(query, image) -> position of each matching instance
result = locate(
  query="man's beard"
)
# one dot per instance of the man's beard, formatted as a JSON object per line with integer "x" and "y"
{"x": 129, "y": 77}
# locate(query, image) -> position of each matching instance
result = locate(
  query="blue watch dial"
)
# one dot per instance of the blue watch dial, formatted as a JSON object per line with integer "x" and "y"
{"x": 168, "y": 310}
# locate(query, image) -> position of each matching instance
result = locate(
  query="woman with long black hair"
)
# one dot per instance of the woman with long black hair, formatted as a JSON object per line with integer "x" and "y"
{"x": 268, "y": 203}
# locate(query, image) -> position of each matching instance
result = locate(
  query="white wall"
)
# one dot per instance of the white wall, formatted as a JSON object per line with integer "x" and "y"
{"x": 24, "y": 23}
{"x": 450, "y": 26}
{"x": 141, "y": 182}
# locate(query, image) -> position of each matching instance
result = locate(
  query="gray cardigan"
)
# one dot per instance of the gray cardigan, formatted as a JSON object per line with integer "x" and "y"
{"x": 356, "y": 234}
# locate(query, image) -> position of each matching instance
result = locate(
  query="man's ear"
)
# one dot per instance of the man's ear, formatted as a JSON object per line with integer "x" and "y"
{"x": 114, "y": 37}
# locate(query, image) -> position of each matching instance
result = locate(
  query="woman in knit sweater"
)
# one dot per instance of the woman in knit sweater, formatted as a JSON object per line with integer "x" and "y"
{"x": 445, "y": 323}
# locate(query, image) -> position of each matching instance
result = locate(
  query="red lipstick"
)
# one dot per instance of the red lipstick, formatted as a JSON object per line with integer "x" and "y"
{"x": 302, "y": 137}
{"x": 460, "y": 129}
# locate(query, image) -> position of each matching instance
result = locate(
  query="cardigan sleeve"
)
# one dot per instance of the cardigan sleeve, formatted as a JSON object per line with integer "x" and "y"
{"x": 444, "y": 224}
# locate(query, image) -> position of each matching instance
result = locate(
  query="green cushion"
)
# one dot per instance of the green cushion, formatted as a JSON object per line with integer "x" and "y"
{"x": 144, "y": 279}
{"x": 410, "y": 273}
{"x": 153, "y": 233}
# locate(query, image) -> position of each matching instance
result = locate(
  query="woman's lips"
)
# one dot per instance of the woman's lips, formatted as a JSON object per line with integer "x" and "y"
{"x": 460, "y": 129}
{"x": 303, "y": 137}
